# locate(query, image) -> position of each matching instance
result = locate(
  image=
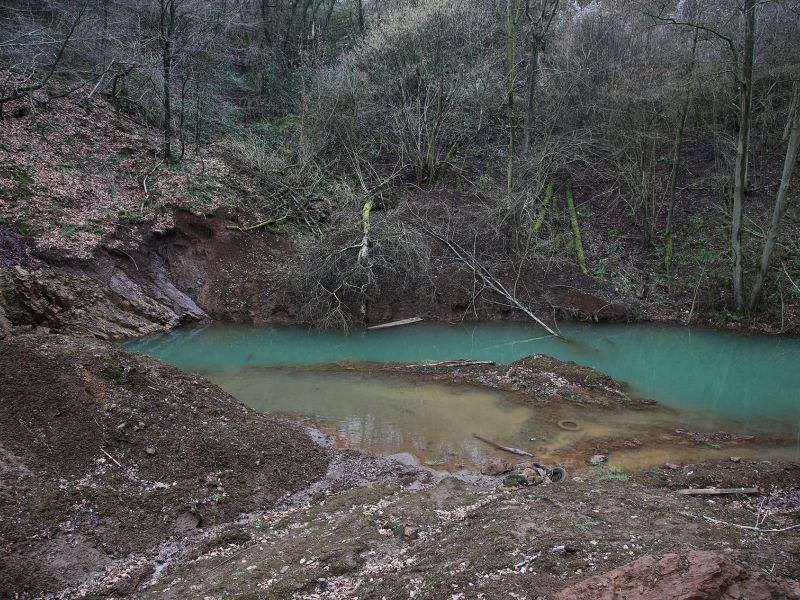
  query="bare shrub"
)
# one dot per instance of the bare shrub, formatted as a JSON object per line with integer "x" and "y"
{"x": 333, "y": 286}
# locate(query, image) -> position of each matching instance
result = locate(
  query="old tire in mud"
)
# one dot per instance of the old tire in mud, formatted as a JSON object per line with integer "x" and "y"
{"x": 557, "y": 474}
{"x": 568, "y": 425}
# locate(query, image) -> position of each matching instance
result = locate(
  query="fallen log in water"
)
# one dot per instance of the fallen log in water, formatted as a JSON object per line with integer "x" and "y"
{"x": 516, "y": 451}
{"x": 396, "y": 323}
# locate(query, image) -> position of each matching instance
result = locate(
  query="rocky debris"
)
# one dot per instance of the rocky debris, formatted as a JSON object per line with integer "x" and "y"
{"x": 495, "y": 467}
{"x": 719, "y": 436}
{"x": 475, "y": 541}
{"x": 536, "y": 378}
{"x": 598, "y": 459}
{"x": 699, "y": 575}
{"x": 530, "y": 473}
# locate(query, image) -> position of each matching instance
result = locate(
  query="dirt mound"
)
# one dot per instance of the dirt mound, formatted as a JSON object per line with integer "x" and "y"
{"x": 693, "y": 576}
{"x": 106, "y": 454}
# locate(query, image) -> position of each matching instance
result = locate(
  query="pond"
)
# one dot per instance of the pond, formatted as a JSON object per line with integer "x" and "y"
{"x": 709, "y": 380}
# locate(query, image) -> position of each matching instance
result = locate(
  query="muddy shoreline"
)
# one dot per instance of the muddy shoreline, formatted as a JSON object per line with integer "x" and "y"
{"x": 212, "y": 499}
{"x": 632, "y": 433}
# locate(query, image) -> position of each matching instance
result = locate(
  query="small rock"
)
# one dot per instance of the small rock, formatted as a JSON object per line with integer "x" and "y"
{"x": 598, "y": 459}
{"x": 533, "y": 476}
{"x": 150, "y": 451}
{"x": 495, "y": 467}
{"x": 672, "y": 466}
{"x": 284, "y": 568}
{"x": 410, "y": 533}
{"x": 515, "y": 479}
{"x": 736, "y": 459}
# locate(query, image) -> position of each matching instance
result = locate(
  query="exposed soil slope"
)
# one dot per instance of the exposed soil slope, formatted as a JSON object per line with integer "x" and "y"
{"x": 106, "y": 454}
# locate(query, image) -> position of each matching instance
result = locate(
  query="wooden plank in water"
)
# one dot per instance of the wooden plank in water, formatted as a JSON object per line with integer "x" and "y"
{"x": 717, "y": 491}
{"x": 396, "y": 323}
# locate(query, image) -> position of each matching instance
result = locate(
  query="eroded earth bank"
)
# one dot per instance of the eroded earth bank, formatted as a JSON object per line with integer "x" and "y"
{"x": 124, "y": 477}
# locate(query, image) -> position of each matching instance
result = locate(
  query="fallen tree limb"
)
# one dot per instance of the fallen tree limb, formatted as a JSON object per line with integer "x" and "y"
{"x": 508, "y": 449}
{"x": 490, "y": 280}
{"x": 396, "y": 323}
{"x": 256, "y": 225}
{"x": 749, "y": 527}
{"x": 717, "y": 491}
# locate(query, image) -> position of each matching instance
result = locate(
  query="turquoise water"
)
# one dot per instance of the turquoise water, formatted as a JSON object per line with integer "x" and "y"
{"x": 750, "y": 378}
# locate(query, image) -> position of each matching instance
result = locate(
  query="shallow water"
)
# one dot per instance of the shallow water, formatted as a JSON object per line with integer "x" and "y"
{"x": 710, "y": 381}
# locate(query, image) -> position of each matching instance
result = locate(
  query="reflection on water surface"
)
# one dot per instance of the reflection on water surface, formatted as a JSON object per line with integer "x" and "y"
{"x": 712, "y": 380}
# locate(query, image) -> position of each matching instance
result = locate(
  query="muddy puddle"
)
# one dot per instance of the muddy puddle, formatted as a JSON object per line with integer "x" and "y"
{"x": 703, "y": 381}
{"x": 436, "y": 422}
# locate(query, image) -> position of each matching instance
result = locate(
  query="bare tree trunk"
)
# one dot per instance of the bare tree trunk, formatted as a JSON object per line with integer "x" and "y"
{"x": 511, "y": 78}
{"x": 533, "y": 76}
{"x": 360, "y": 16}
{"x": 678, "y": 145}
{"x": 168, "y": 15}
{"x": 781, "y": 200}
{"x": 182, "y": 119}
{"x": 743, "y": 149}
{"x": 266, "y": 26}
{"x": 540, "y": 14}
{"x": 167, "y": 108}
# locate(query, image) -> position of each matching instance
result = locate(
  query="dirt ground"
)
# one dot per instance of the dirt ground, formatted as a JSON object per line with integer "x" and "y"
{"x": 421, "y": 534}
{"x": 124, "y": 477}
{"x": 107, "y": 455}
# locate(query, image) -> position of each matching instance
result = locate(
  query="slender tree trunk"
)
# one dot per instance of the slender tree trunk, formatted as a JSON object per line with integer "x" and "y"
{"x": 181, "y": 120}
{"x": 678, "y": 145}
{"x": 511, "y": 79}
{"x": 743, "y": 149}
{"x": 360, "y": 16}
{"x": 328, "y": 16}
{"x": 168, "y": 20}
{"x": 576, "y": 231}
{"x": 781, "y": 200}
{"x": 287, "y": 36}
{"x": 530, "y": 96}
{"x": 266, "y": 25}
{"x": 167, "y": 72}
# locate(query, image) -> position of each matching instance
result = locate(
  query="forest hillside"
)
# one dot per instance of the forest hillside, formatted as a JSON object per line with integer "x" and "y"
{"x": 636, "y": 155}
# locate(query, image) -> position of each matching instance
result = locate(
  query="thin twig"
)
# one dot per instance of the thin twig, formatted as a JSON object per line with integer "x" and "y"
{"x": 749, "y": 527}
{"x": 116, "y": 462}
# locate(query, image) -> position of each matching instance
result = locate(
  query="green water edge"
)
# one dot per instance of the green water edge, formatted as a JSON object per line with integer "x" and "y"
{"x": 753, "y": 379}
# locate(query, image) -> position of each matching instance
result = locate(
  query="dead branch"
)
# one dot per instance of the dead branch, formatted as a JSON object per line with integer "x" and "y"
{"x": 508, "y": 449}
{"x": 259, "y": 225}
{"x": 490, "y": 280}
{"x": 749, "y": 527}
{"x": 116, "y": 462}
